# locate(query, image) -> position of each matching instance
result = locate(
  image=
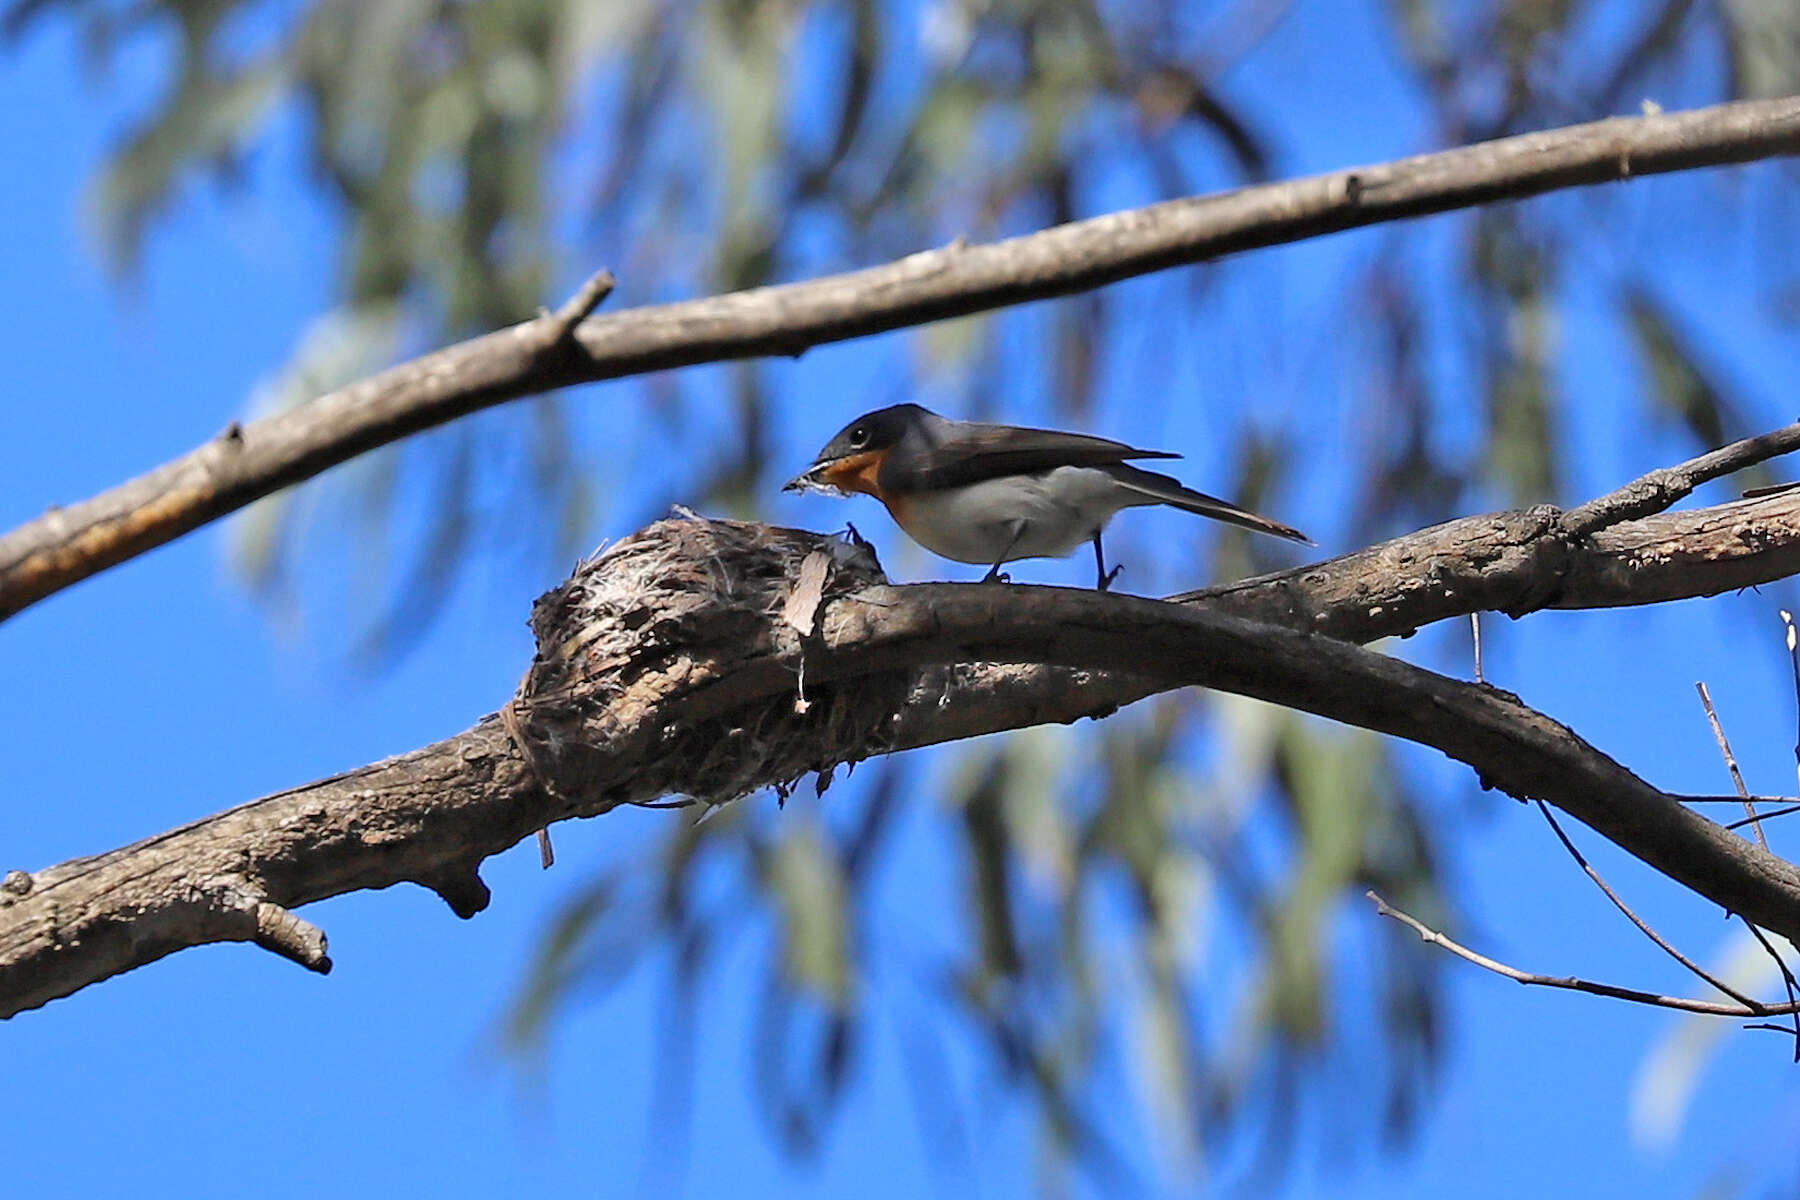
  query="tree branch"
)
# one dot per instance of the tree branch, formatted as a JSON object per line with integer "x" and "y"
{"x": 1711, "y": 1008}
{"x": 1658, "y": 490}
{"x": 1513, "y": 562}
{"x": 1643, "y": 926}
{"x": 671, "y": 666}
{"x": 1511, "y": 747}
{"x": 246, "y": 462}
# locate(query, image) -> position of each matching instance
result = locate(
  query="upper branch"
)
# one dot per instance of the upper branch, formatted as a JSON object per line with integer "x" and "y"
{"x": 67, "y": 545}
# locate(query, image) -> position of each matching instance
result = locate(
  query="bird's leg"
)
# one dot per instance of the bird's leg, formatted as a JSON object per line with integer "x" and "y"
{"x": 995, "y": 575}
{"x": 1105, "y": 576}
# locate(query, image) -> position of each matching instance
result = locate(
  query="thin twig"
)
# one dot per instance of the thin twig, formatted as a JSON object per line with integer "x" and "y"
{"x": 1668, "y": 948}
{"x": 1737, "y": 776}
{"x": 1574, "y": 984}
{"x": 1787, "y": 980}
{"x": 1522, "y": 561}
{"x": 1787, "y": 619}
{"x": 1787, "y": 976}
{"x": 1771, "y": 815}
{"x": 1656, "y": 491}
{"x": 509, "y": 717}
{"x": 561, "y": 324}
{"x": 1475, "y": 637}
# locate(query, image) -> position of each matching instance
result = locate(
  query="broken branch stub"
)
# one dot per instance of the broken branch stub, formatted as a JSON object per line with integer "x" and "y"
{"x": 632, "y": 695}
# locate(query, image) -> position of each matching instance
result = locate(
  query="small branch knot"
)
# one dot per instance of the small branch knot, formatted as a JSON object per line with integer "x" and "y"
{"x": 281, "y": 932}
{"x": 554, "y": 329}
{"x": 463, "y": 891}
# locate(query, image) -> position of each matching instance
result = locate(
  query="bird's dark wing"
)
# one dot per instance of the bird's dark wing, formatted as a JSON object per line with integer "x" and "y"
{"x": 969, "y": 453}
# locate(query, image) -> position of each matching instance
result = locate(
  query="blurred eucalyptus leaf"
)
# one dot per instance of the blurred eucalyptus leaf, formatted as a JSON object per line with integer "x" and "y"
{"x": 1680, "y": 386}
{"x": 1765, "y": 42}
{"x": 335, "y": 350}
{"x": 804, "y": 879}
{"x": 1671, "y": 1069}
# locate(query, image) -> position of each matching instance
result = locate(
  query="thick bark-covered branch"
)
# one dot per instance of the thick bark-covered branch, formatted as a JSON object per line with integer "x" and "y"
{"x": 1511, "y": 747}
{"x": 427, "y": 817}
{"x": 246, "y": 462}
{"x": 1511, "y": 562}
{"x": 679, "y": 663}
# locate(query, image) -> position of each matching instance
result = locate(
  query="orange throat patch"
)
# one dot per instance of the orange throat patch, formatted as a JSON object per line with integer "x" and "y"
{"x": 860, "y": 473}
{"x": 856, "y": 473}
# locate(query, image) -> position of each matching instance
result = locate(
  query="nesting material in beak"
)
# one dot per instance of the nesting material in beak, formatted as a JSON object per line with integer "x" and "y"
{"x": 810, "y": 480}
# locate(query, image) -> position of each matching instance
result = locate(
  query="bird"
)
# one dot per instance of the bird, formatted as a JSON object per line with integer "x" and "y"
{"x": 994, "y": 494}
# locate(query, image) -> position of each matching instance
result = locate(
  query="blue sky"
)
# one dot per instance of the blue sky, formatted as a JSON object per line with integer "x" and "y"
{"x": 160, "y": 692}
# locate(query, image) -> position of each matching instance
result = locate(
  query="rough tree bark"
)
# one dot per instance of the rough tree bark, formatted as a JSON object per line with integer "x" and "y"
{"x": 709, "y": 659}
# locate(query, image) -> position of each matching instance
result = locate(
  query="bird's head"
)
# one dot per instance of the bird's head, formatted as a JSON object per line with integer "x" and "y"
{"x": 849, "y": 459}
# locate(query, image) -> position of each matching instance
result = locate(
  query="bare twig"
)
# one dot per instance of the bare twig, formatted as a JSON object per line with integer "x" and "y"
{"x": 1523, "y": 561}
{"x": 560, "y": 326}
{"x": 69, "y": 544}
{"x": 509, "y": 717}
{"x": 1787, "y": 980}
{"x": 1789, "y": 811}
{"x": 1642, "y": 925}
{"x": 1737, "y": 776}
{"x": 1475, "y": 640}
{"x": 1793, "y": 648}
{"x": 1656, "y": 491}
{"x": 1787, "y": 976}
{"x": 1571, "y": 983}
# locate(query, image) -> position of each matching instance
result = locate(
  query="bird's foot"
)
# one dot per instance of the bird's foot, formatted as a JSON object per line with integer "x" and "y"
{"x": 1106, "y": 581}
{"x": 996, "y": 576}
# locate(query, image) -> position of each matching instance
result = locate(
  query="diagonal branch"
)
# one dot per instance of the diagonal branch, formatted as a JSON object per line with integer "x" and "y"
{"x": 1658, "y": 490}
{"x": 668, "y": 667}
{"x": 1511, "y": 747}
{"x": 1513, "y": 562}
{"x": 66, "y": 545}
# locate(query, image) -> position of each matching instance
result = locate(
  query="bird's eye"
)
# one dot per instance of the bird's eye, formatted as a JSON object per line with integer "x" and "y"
{"x": 859, "y": 436}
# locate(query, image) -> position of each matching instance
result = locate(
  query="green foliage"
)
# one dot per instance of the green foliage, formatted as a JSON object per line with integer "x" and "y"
{"x": 1181, "y": 881}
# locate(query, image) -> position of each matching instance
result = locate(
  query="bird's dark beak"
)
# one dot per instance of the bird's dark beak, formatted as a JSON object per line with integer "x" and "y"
{"x": 807, "y": 481}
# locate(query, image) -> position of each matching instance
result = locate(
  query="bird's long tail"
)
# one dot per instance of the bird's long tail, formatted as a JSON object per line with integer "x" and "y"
{"x": 1161, "y": 489}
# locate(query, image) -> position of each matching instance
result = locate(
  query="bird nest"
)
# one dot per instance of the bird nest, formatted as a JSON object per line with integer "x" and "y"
{"x": 673, "y": 664}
